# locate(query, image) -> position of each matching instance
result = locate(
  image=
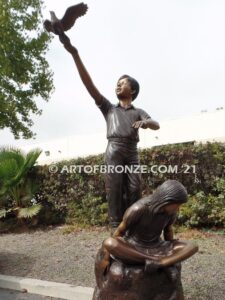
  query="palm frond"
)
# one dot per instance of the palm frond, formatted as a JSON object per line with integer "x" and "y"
{"x": 32, "y": 157}
{"x": 30, "y": 187}
{"x": 3, "y": 212}
{"x": 14, "y": 166}
{"x": 11, "y": 163}
{"x": 8, "y": 169}
{"x": 3, "y": 191}
{"x": 29, "y": 212}
{"x": 12, "y": 153}
{"x": 30, "y": 161}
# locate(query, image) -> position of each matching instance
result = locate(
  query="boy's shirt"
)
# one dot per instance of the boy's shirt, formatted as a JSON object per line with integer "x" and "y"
{"x": 119, "y": 120}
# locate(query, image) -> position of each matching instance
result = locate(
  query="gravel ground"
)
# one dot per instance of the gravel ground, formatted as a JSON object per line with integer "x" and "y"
{"x": 52, "y": 255}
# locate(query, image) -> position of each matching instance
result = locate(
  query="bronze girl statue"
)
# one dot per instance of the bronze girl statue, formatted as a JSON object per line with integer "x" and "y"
{"x": 137, "y": 240}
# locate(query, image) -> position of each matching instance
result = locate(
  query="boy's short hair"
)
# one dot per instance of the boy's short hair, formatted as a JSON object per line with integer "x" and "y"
{"x": 134, "y": 85}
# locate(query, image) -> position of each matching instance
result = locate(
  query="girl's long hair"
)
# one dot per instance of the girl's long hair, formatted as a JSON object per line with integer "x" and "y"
{"x": 171, "y": 191}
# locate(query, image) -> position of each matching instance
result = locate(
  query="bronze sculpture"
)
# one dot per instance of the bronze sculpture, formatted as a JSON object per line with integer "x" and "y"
{"x": 57, "y": 26}
{"x": 136, "y": 253}
{"x": 135, "y": 263}
{"x": 123, "y": 121}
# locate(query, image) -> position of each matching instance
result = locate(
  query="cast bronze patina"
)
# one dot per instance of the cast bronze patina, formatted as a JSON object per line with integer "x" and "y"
{"x": 123, "y": 121}
{"x": 135, "y": 263}
{"x": 58, "y": 26}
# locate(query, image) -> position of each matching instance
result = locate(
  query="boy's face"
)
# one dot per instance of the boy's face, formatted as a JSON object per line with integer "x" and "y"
{"x": 123, "y": 89}
{"x": 172, "y": 208}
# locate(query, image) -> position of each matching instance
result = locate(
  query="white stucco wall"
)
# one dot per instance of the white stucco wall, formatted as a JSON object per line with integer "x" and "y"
{"x": 202, "y": 127}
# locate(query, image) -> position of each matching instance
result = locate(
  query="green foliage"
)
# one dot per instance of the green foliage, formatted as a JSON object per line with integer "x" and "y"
{"x": 16, "y": 188}
{"x": 29, "y": 212}
{"x": 205, "y": 210}
{"x": 24, "y": 72}
{"x": 196, "y": 166}
{"x": 90, "y": 210}
{"x": 80, "y": 197}
{"x": 66, "y": 192}
{"x": 3, "y": 213}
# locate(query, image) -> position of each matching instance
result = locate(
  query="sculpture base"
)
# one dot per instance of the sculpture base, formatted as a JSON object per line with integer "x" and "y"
{"x": 123, "y": 282}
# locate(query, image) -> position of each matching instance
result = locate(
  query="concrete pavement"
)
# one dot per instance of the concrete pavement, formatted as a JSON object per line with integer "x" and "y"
{"x": 15, "y": 295}
{"x": 54, "y": 290}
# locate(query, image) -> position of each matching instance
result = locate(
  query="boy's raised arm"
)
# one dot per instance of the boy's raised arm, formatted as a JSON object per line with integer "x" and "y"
{"x": 84, "y": 75}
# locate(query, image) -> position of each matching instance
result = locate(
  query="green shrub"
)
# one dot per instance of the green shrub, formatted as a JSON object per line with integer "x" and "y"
{"x": 69, "y": 193}
{"x": 207, "y": 160}
{"x": 205, "y": 210}
{"x": 90, "y": 210}
{"x": 80, "y": 197}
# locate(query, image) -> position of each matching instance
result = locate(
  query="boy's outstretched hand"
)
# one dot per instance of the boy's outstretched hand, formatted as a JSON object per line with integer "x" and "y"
{"x": 140, "y": 124}
{"x": 67, "y": 44}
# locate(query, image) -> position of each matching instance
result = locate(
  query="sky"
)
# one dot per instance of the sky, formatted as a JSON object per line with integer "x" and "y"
{"x": 174, "y": 48}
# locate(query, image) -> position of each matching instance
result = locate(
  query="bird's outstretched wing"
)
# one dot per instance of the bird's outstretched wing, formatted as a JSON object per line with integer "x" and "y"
{"x": 72, "y": 13}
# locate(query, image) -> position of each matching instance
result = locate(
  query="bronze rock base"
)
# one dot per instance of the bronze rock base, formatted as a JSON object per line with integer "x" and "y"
{"x": 123, "y": 282}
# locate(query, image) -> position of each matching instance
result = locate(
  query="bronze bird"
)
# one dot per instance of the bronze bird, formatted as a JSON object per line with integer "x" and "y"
{"x": 72, "y": 13}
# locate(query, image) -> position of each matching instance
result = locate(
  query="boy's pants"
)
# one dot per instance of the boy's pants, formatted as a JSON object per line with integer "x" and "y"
{"x": 123, "y": 187}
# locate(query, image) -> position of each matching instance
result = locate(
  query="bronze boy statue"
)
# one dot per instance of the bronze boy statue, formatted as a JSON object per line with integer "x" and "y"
{"x": 123, "y": 121}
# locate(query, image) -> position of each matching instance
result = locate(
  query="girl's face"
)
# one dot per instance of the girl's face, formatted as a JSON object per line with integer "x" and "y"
{"x": 172, "y": 208}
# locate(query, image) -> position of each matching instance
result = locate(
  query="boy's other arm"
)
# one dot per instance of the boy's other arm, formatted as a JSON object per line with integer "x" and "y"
{"x": 145, "y": 121}
{"x": 84, "y": 75}
{"x": 148, "y": 123}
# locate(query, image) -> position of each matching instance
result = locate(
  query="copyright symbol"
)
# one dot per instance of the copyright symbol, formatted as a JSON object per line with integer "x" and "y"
{"x": 53, "y": 169}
